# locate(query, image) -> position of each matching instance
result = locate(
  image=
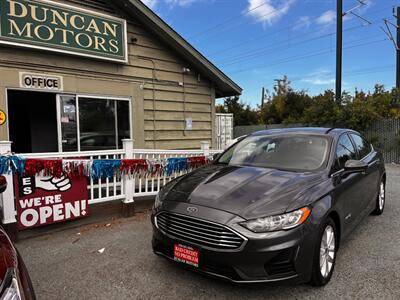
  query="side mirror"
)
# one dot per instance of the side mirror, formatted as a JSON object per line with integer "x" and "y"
{"x": 215, "y": 156}
{"x": 355, "y": 166}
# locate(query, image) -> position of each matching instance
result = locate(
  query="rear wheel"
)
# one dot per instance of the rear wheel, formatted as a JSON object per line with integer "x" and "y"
{"x": 380, "y": 199}
{"x": 324, "y": 254}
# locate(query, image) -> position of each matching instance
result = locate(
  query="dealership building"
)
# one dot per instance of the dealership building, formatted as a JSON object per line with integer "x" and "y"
{"x": 84, "y": 75}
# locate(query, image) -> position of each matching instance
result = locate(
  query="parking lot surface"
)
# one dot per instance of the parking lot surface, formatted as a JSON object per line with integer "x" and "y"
{"x": 69, "y": 265}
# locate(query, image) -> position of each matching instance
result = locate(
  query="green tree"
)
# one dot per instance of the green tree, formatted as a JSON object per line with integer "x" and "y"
{"x": 323, "y": 111}
{"x": 286, "y": 104}
{"x": 243, "y": 114}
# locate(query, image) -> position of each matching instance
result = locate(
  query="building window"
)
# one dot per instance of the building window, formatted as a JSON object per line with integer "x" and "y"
{"x": 103, "y": 123}
{"x": 97, "y": 119}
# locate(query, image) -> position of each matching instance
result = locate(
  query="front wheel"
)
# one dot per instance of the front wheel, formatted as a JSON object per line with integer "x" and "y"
{"x": 325, "y": 254}
{"x": 380, "y": 199}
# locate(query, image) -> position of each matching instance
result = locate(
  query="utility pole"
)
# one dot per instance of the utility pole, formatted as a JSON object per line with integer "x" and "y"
{"x": 339, "y": 41}
{"x": 397, "y": 49}
{"x": 396, "y": 41}
{"x": 263, "y": 97}
{"x": 339, "y": 49}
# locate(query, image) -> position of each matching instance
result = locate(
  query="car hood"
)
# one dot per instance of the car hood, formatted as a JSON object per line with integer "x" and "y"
{"x": 248, "y": 192}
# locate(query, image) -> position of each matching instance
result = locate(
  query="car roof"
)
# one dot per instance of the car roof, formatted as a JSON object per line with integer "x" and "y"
{"x": 304, "y": 130}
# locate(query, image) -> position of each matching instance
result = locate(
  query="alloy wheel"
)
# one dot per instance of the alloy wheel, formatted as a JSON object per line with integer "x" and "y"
{"x": 327, "y": 251}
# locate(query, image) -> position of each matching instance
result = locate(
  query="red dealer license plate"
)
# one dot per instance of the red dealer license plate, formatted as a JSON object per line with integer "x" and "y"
{"x": 186, "y": 254}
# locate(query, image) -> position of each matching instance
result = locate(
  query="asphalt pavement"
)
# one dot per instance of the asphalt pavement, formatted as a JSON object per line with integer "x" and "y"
{"x": 115, "y": 261}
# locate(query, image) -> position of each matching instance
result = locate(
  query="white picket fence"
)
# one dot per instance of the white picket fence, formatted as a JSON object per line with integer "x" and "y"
{"x": 124, "y": 188}
{"x": 150, "y": 185}
{"x": 101, "y": 190}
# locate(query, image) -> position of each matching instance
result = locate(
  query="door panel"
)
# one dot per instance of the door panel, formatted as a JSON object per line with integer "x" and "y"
{"x": 372, "y": 176}
{"x": 68, "y": 123}
{"x": 372, "y": 179}
{"x": 349, "y": 190}
{"x": 348, "y": 194}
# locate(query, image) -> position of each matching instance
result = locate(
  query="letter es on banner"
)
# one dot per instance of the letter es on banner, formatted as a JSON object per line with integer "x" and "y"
{"x": 46, "y": 200}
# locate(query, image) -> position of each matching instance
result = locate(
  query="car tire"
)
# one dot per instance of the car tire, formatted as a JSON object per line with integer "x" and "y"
{"x": 380, "y": 199}
{"x": 324, "y": 254}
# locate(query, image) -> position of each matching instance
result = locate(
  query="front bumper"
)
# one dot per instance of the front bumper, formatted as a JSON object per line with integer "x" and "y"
{"x": 268, "y": 257}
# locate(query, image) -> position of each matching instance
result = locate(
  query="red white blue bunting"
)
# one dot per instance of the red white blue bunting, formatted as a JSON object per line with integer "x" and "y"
{"x": 99, "y": 168}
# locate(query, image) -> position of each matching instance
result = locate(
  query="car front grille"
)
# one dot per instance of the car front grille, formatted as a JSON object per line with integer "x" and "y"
{"x": 197, "y": 231}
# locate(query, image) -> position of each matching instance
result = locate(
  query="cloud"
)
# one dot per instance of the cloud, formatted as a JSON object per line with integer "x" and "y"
{"x": 150, "y": 3}
{"x": 327, "y": 18}
{"x": 183, "y": 3}
{"x": 265, "y": 12}
{"x": 171, "y": 3}
{"x": 320, "y": 77}
{"x": 302, "y": 22}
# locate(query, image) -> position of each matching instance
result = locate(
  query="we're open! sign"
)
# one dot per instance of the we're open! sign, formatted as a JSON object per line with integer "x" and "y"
{"x": 46, "y": 200}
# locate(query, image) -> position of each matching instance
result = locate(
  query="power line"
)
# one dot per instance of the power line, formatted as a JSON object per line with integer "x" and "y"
{"x": 259, "y": 54}
{"x": 233, "y": 26}
{"x": 234, "y": 18}
{"x": 326, "y": 48}
{"x": 292, "y": 26}
{"x": 355, "y": 72}
{"x": 296, "y": 58}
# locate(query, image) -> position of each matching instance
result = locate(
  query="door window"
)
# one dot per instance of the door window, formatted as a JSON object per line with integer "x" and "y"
{"x": 344, "y": 152}
{"x": 68, "y": 121}
{"x": 364, "y": 148}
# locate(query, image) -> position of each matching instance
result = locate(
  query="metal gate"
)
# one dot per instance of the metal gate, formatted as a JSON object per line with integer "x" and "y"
{"x": 224, "y": 130}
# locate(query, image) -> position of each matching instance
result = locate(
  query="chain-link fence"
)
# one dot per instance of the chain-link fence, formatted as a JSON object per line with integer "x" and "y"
{"x": 385, "y": 135}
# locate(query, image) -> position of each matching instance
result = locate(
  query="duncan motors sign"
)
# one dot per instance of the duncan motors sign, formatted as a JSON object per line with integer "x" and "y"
{"x": 62, "y": 28}
{"x": 46, "y": 200}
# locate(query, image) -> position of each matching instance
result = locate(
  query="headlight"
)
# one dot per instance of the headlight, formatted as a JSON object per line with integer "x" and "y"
{"x": 10, "y": 286}
{"x": 157, "y": 201}
{"x": 281, "y": 222}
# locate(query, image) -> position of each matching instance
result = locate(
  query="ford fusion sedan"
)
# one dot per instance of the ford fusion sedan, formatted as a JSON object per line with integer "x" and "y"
{"x": 275, "y": 206}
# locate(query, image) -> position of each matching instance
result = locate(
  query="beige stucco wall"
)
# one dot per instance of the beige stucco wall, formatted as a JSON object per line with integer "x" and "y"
{"x": 162, "y": 96}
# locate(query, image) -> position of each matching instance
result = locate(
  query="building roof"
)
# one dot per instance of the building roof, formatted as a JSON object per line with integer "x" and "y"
{"x": 224, "y": 85}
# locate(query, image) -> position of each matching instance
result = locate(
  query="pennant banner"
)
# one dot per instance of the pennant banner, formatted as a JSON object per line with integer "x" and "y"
{"x": 99, "y": 168}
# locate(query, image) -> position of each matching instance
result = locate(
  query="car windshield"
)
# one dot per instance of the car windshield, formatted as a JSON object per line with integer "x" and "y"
{"x": 285, "y": 152}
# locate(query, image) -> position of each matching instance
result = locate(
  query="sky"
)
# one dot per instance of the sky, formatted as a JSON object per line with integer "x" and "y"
{"x": 255, "y": 42}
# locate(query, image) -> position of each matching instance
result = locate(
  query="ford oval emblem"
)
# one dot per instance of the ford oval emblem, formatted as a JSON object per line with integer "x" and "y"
{"x": 192, "y": 209}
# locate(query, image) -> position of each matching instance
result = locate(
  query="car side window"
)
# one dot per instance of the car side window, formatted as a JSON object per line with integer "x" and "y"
{"x": 344, "y": 152}
{"x": 363, "y": 147}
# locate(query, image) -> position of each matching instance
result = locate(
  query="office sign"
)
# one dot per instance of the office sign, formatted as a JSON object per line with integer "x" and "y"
{"x": 62, "y": 28}
{"x": 40, "y": 82}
